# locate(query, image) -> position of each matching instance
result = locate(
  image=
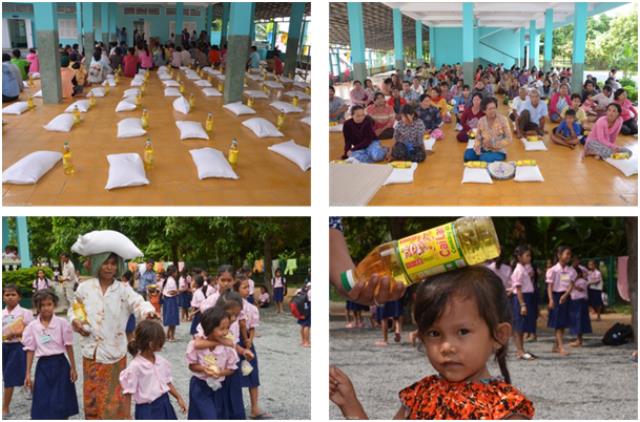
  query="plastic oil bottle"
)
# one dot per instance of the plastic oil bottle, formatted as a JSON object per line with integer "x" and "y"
{"x": 466, "y": 241}
{"x": 92, "y": 101}
{"x": 30, "y": 103}
{"x": 181, "y": 88}
{"x": 148, "y": 155}
{"x": 76, "y": 115}
{"x": 294, "y": 101}
{"x": 145, "y": 119}
{"x": 67, "y": 162}
{"x": 139, "y": 99}
{"x": 280, "y": 120}
{"x": 208, "y": 124}
{"x": 220, "y": 86}
{"x": 249, "y": 101}
{"x": 192, "y": 100}
{"x": 107, "y": 88}
{"x": 233, "y": 153}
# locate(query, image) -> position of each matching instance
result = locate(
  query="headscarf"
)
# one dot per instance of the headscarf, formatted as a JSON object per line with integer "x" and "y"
{"x": 98, "y": 259}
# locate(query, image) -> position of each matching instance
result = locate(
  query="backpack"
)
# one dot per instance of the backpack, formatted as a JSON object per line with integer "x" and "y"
{"x": 300, "y": 305}
{"x": 618, "y": 334}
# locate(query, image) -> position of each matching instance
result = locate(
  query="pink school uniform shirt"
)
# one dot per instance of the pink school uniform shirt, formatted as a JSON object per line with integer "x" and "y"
{"x": 146, "y": 61}
{"x": 575, "y": 293}
{"x": 41, "y": 284}
{"x": 48, "y": 341}
{"x": 252, "y": 314}
{"x": 226, "y": 357}
{"x": 35, "y": 63}
{"x": 198, "y": 296}
{"x": 504, "y": 273}
{"x": 595, "y": 279}
{"x": 9, "y": 316}
{"x": 234, "y": 328}
{"x": 602, "y": 133}
{"x": 561, "y": 277}
{"x": 183, "y": 285}
{"x": 170, "y": 285}
{"x": 146, "y": 380}
{"x": 209, "y": 302}
{"x": 521, "y": 277}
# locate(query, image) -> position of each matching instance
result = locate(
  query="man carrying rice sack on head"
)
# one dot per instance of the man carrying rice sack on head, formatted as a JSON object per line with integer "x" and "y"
{"x": 99, "y": 314}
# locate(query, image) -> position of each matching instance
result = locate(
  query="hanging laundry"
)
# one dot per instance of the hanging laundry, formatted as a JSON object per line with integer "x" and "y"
{"x": 275, "y": 265}
{"x": 292, "y": 266}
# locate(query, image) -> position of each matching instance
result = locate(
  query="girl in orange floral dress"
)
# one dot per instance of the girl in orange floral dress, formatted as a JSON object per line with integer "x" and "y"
{"x": 464, "y": 319}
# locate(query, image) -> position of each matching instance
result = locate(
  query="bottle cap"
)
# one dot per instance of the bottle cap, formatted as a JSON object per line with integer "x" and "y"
{"x": 347, "y": 280}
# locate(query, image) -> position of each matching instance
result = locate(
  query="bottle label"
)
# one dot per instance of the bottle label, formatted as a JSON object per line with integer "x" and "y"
{"x": 431, "y": 252}
{"x": 347, "y": 280}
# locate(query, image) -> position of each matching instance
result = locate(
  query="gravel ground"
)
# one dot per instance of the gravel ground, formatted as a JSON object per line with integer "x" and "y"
{"x": 283, "y": 364}
{"x": 594, "y": 382}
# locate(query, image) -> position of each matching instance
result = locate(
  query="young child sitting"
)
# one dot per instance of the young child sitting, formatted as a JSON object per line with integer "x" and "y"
{"x": 581, "y": 116}
{"x": 568, "y": 133}
{"x": 439, "y": 101}
{"x": 464, "y": 319}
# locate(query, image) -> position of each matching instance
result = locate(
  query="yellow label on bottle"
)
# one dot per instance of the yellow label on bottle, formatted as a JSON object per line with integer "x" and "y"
{"x": 431, "y": 252}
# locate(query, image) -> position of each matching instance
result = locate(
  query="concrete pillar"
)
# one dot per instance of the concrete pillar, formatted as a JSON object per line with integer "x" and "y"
{"x": 294, "y": 37}
{"x": 274, "y": 34}
{"x": 476, "y": 46}
{"x": 580, "y": 16}
{"x": 179, "y": 21}
{"x": 47, "y": 35}
{"x": 5, "y": 232}
{"x": 356, "y": 36}
{"x": 113, "y": 22}
{"x": 238, "y": 39}
{"x": 89, "y": 39}
{"x": 252, "y": 27}
{"x": 468, "y": 54}
{"x": 397, "y": 40}
{"x": 432, "y": 45}
{"x": 521, "y": 56}
{"x": 533, "y": 53}
{"x": 79, "y": 22}
{"x": 419, "y": 52}
{"x": 207, "y": 25}
{"x": 22, "y": 230}
{"x": 548, "y": 39}
{"x": 226, "y": 7}
{"x": 104, "y": 23}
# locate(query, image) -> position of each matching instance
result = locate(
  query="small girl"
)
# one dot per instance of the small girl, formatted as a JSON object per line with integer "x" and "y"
{"x": 279, "y": 284}
{"x": 201, "y": 292}
{"x": 560, "y": 280}
{"x": 357, "y": 309}
{"x": 32, "y": 58}
{"x": 594, "y": 281}
{"x": 579, "y": 308}
{"x": 148, "y": 376}
{"x": 127, "y": 278}
{"x": 48, "y": 338}
{"x": 170, "y": 312}
{"x": 184, "y": 297}
{"x": 41, "y": 282}
{"x": 386, "y": 315}
{"x": 503, "y": 271}
{"x": 263, "y": 299}
{"x": 210, "y": 365}
{"x": 523, "y": 307}
{"x": 14, "y": 359}
{"x": 463, "y": 318}
{"x": 225, "y": 281}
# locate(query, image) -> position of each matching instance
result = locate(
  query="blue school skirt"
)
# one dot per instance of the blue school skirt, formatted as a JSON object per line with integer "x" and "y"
{"x": 278, "y": 294}
{"x": 159, "y": 409}
{"x": 170, "y": 314}
{"x": 595, "y": 298}
{"x": 14, "y": 364}
{"x": 54, "y": 395}
{"x": 579, "y": 315}
{"x": 253, "y": 379}
{"x": 559, "y": 315}
{"x": 355, "y": 307}
{"x": 524, "y": 324}
{"x": 251, "y": 299}
{"x": 184, "y": 300}
{"x": 201, "y": 401}
{"x": 307, "y": 321}
{"x": 229, "y": 401}
{"x": 197, "y": 317}
{"x": 391, "y": 309}
{"x": 131, "y": 324}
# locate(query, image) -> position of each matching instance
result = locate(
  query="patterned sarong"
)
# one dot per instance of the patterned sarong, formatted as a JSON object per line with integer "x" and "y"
{"x": 102, "y": 392}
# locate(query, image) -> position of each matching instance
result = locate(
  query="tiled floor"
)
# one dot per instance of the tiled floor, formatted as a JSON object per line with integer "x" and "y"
{"x": 568, "y": 181}
{"x": 266, "y": 178}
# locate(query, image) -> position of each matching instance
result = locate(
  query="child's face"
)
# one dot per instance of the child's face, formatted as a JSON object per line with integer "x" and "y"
{"x": 459, "y": 344}
{"x": 244, "y": 289}
{"x": 221, "y": 330}
{"x": 225, "y": 281}
{"x": 576, "y": 102}
{"x": 46, "y": 308}
{"x": 565, "y": 257}
{"x": 591, "y": 265}
{"x": 525, "y": 258}
{"x": 10, "y": 298}
{"x": 40, "y": 274}
{"x": 234, "y": 312}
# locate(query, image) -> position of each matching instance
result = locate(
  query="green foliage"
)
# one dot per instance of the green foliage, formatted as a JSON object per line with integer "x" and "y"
{"x": 23, "y": 278}
{"x": 632, "y": 93}
{"x": 625, "y": 82}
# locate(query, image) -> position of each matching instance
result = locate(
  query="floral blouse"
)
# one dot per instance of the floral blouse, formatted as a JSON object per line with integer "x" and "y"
{"x": 411, "y": 135}
{"x": 496, "y": 136}
{"x": 436, "y": 398}
{"x": 430, "y": 116}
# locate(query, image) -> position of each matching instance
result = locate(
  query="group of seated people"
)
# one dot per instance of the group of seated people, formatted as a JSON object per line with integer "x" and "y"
{"x": 416, "y": 105}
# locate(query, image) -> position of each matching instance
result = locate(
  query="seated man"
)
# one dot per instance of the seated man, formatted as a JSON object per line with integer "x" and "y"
{"x": 11, "y": 82}
{"x": 254, "y": 58}
{"x": 337, "y": 107}
{"x": 23, "y": 65}
{"x": 532, "y": 115}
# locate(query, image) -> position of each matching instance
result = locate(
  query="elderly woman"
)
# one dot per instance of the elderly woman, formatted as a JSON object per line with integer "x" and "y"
{"x": 108, "y": 304}
{"x": 383, "y": 115}
{"x": 470, "y": 118}
{"x": 560, "y": 102}
{"x": 409, "y": 136}
{"x": 493, "y": 135}
{"x": 360, "y": 140}
{"x": 601, "y": 141}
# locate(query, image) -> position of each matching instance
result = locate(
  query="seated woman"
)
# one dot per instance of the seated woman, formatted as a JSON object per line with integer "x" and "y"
{"x": 337, "y": 107}
{"x": 360, "y": 141}
{"x": 493, "y": 135}
{"x": 409, "y": 136}
{"x": 560, "y": 101}
{"x": 439, "y": 101}
{"x": 97, "y": 72}
{"x": 470, "y": 117}
{"x": 601, "y": 141}
{"x": 383, "y": 117}
{"x": 430, "y": 116}
{"x": 629, "y": 113}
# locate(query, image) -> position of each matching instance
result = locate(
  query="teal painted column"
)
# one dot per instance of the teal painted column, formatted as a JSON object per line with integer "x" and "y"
{"x": 207, "y": 25}
{"x": 548, "y": 39}
{"x": 5, "y": 232}
{"x": 468, "y": 44}
{"x": 252, "y": 28}
{"x": 476, "y": 46}
{"x": 580, "y": 16}
{"x": 89, "y": 38}
{"x": 432, "y": 45}
{"x": 238, "y": 39}
{"x": 274, "y": 34}
{"x": 21, "y": 225}
{"x": 419, "y": 52}
{"x": 521, "y": 55}
{"x": 356, "y": 36}
{"x": 46, "y": 20}
{"x": 79, "y": 21}
{"x": 397, "y": 40}
{"x": 294, "y": 37}
{"x": 113, "y": 10}
{"x": 533, "y": 54}
{"x": 104, "y": 23}
{"x": 179, "y": 21}
{"x": 226, "y": 7}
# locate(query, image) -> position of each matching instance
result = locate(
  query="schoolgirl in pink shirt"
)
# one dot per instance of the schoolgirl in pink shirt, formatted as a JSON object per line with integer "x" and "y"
{"x": 48, "y": 338}
{"x": 594, "y": 281}
{"x": 170, "y": 311}
{"x": 41, "y": 282}
{"x": 560, "y": 280}
{"x": 503, "y": 271}
{"x": 147, "y": 378}
{"x": 579, "y": 307}
{"x": 202, "y": 291}
{"x": 224, "y": 280}
{"x": 523, "y": 305}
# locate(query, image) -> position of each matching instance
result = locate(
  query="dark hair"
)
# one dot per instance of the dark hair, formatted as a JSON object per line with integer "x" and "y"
{"x": 436, "y": 89}
{"x": 5, "y": 57}
{"x": 607, "y": 87}
{"x": 128, "y": 275}
{"x": 618, "y": 93}
{"x": 377, "y": 94}
{"x": 570, "y": 112}
{"x": 239, "y": 279}
{"x": 561, "y": 249}
{"x": 486, "y": 101}
{"x": 356, "y": 108}
{"x": 226, "y": 268}
{"x": 388, "y": 81}
{"x": 357, "y": 82}
{"x": 211, "y": 318}
{"x": 465, "y": 86}
{"x": 477, "y": 282}
{"x": 331, "y": 88}
{"x": 199, "y": 280}
{"x": 477, "y": 94}
{"x": 229, "y": 300}
{"x": 97, "y": 54}
{"x": 408, "y": 110}
{"x": 146, "y": 332}
{"x": 576, "y": 95}
{"x": 423, "y": 96}
{"x": 617, "y": 107}
{"x": 518, "y": 252}
{"x": 10, "y": 286}
{"x": 42, "y": 295}
{"x": 16, "y": 53}
{"x": 172, "y": 271}
{"x": 132, "y": 50}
